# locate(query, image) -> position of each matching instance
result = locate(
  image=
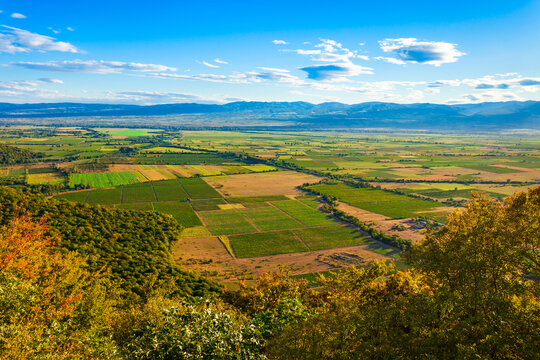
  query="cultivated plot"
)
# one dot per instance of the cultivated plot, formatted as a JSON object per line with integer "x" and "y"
{"x": 226, "y": 222}
{"x": 169, "y": 190}
{"x": 270, "y": 218}
{"x": 142, "y": 192}
{"x": 197, "y": 188}
{"x": 105, "y": 196}
{"x": 332, "y": 237}
{"x": 268, "y": 243}
{"x": 180, "y": 210}
{"x": 303, "y": 213}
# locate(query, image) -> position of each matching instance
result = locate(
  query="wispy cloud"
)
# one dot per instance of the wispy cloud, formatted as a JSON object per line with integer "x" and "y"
{"x": 488, "y": 96}
{"x": 261, "y": 75}
{"x": 205, "y": 63}
{"x": 51, "y": 81}
{"x": 219, "y": 61}
{"x": 390, "y": 60}
{"x": 91, "y": 66}
{"x": 423, "y": 52}
{"x": 279, "y": 42}
{"x": 156, "y": 97}
{"x": 18, "y": 16}
{"x": 69, "y": 28}
{"x": 14, "y": 40}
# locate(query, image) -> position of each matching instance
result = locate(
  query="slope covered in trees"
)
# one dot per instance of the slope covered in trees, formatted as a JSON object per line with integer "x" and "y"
{"x": 11, "y": 155}
{"x": 133, "y": 245}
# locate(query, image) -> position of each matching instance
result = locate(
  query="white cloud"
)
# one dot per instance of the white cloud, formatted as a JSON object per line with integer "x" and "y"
{"x": 279, "y": 42}
{"x": 51, "y": 81}
{"x": 54, "y": 30}
{"x": 267, "y": 74}
{"x": 219, "y": 61}
{"x": 91, "y": 66}
{"x": 18, "y": 16}
{"x": 69, "y": 28}
{"x": 335, "y": 71}
{"x": 337, "y": 62}
{"x": 488, "y": 96}
{"x": 330, "y": 51}
{"x": 209, "y": 65}
{"x": 273, "y": 69}
{"x": 14, "y": 40}
{"x": 390, "y": 60}
{"x": 502, "y": 82}
{"x": 423, "y": 52}
{"x": 155, "y": 97}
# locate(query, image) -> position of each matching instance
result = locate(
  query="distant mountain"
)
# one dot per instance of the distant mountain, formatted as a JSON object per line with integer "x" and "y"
{"x": 494, "y": 116}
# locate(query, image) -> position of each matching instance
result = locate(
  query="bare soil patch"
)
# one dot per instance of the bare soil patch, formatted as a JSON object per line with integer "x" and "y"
{"x": 209, "y": 255}
{"x": 260, "y": 184}
{"x": 384, "y": 223}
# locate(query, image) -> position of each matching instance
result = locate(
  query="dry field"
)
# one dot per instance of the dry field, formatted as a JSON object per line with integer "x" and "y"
{"x": 384, "y": 223}
{"x": 208, "y": 254}
{"x": 260, "y": 184}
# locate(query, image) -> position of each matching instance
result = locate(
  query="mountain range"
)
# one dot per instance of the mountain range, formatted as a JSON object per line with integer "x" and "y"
{"x": 485, "y": 116}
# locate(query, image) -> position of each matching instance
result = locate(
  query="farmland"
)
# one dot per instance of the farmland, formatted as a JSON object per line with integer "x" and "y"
{"x": 246, "y": 185}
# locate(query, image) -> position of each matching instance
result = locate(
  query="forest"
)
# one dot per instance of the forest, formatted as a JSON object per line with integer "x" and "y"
{"x": 471, "y": 292}
{"x": 10, "y": 155}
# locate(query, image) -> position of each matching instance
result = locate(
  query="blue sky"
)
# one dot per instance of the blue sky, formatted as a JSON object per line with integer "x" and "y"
{"x": 143, "y": 52}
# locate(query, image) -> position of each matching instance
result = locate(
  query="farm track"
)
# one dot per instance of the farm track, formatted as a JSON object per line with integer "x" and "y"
{"x": 302, "y": 240}
{"x": 154, "y": 190}
{"x": 182, "y": 186}
{"x": 249, "y": 221}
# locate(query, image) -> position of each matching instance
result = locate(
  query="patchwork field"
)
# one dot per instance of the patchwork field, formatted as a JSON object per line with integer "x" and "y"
{"x": 253, "y": 198}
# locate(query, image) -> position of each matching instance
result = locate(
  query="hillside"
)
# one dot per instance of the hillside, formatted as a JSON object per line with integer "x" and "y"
{"x": 134, "y": 246}
{"x": 10, "y": 155}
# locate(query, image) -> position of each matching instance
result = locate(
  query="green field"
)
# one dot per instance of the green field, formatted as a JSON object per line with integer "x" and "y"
{"x": 142, "y": 192}
{"x": 255, "y": 201}
{"x": 268, "y": 243}
{"x": 207, "y": 204}
{"x": 79, "y": 196}
{"x": 169, "y": 190}
{"x": 492, "y": 169}
{"x": 303, "y": 213}
{"x": 332, "y": 237}
{"x": 378, "y": 201}
{"x": 136, "y": 206}
{"x": 180, "y": 210}
{"x": 128, "y": 132}
{"x": 105, "y": 179}
{"x": 271, "y": 218}
{"x": 105, "y": 196}
{"x": 226, "y": 222}
{"x": 197, "y": 188}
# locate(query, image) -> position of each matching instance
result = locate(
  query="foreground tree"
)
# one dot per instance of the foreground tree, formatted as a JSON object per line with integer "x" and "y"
{"x": 50, "y": 307}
